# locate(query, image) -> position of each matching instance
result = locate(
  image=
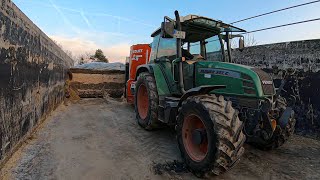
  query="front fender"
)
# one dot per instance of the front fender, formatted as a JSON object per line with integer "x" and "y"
{"x": 144, "y": 68}
{"x": 199, "y": 91}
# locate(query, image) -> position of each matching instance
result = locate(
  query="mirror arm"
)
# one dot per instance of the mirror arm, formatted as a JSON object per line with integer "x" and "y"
{"x": 222, "y": 48}
{"x": 168, "y": 18}
{"x": 228, "y": 46}
{"x": 236, "y": 35}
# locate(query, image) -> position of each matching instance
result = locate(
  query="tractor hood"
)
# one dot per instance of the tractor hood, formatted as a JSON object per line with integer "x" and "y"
{"x": 240, "y": 80}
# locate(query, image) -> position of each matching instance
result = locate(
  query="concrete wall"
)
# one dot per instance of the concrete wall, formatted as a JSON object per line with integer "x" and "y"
{"x": 92, "y": 83}
{"x": 304, "y": 58}
{"x": 302, "y": 55}
{"x": 32, "y": 73}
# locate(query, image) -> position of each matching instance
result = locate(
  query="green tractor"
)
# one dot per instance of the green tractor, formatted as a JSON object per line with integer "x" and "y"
{"x": 215, "y": 105}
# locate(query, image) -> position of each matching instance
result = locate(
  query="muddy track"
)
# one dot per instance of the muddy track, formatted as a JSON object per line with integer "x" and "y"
{"x": 100, "y": 139}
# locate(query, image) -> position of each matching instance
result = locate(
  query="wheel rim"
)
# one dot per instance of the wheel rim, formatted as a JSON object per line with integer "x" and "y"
{"x": 143, "y": 101}
{"x": 193, "y": 129}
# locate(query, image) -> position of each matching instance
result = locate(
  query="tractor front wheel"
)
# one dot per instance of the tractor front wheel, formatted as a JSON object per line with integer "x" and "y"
{"x": 280, "y": 135}
{"x": 209, "y": 134}
{"x": 147, "y": 102}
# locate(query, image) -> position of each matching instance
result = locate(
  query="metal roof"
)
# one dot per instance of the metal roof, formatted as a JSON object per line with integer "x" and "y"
{"x": 203, "y": 22}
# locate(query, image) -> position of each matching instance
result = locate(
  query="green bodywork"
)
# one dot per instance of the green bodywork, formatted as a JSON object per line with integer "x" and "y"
{"x": 213, "y": 68}
{"x": 239, "y": 80}
{"x": 164, "y": 79}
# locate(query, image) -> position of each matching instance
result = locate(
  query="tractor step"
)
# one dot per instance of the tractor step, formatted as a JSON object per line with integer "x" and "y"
{"x": 168, "y": 110}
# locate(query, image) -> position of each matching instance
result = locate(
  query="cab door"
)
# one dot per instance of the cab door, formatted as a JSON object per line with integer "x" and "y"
{"x": 164, "y": 52}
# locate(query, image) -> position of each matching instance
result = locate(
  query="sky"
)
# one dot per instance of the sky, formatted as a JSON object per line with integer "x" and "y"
{"x": 82, "y": 26}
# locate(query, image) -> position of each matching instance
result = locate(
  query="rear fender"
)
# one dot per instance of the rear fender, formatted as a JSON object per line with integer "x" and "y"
{"x": 199, "y": 91}
{"x": 144, "y": 68}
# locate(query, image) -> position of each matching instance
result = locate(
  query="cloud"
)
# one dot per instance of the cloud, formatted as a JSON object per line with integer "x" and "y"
{"x": 86, "y": 36}
{"x": 79, "y": 46}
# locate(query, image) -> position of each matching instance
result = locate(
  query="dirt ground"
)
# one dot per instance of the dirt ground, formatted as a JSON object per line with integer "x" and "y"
{"x": 100, "y": 139}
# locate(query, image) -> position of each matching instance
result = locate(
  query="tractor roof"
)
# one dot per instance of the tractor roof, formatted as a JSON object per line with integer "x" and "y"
{"x": 199, "y": 27}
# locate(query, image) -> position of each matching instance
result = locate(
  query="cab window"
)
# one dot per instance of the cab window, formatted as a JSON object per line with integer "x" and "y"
{"x": 195, "y": 48}
{"x": 213, "y": 48}
{"x": 154, "y": 48}
{"x": 167, "y": 49}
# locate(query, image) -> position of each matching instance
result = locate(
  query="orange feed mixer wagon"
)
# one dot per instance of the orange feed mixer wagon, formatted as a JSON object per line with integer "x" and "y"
{"x": 139, "y": 55}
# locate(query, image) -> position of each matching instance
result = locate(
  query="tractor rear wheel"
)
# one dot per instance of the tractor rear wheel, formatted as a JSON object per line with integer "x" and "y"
{"x": 147, "y": 102}
{"x": 209, "y": 134}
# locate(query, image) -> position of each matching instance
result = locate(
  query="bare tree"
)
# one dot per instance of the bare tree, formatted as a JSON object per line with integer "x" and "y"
{"x": 69, "y": 53}
{"x": 234, "y": 43}
{"x": 249, "y": 40}
{"x": 58, "y": 44}
{"x": 83, "y": 58}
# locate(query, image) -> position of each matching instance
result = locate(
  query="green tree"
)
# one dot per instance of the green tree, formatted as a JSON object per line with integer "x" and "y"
{"x": 100, "y": 56}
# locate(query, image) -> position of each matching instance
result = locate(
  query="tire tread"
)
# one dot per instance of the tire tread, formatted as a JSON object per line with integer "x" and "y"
{"x": 228, "y": 129}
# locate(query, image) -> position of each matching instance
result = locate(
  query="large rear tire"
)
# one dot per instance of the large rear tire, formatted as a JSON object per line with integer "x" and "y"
{"x": 209, "y": 134}
{"x": 147, "y": 102}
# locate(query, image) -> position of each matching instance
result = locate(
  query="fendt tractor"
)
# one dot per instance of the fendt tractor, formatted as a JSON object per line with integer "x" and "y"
{"x": 186, "y": 79}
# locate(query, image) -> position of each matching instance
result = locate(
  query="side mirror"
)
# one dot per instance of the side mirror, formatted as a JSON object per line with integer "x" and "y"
{"x": 167, "y": 29}
{"x": 241, "y": 44}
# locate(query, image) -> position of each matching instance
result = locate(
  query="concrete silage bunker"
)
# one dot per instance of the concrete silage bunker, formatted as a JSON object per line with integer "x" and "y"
{"x": 32, "y": 77}
{"x": 98, "y": 79}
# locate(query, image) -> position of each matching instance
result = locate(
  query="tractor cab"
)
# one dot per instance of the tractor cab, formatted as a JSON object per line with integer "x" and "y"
{"x": 188, "y": 46}
{"x": 201, "y": 38}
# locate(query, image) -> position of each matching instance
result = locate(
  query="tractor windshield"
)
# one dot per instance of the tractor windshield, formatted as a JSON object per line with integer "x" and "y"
{"x": 214, "y": 49}
{"x": 211, "y": 51}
